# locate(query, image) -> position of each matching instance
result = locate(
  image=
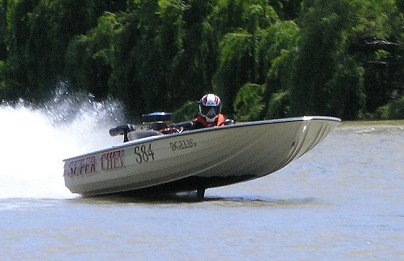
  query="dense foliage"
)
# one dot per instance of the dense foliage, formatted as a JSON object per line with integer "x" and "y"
{"x": 265, "y": 58}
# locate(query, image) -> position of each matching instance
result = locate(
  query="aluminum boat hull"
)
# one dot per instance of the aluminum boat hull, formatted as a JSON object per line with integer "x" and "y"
{"x": 196, "y": 159}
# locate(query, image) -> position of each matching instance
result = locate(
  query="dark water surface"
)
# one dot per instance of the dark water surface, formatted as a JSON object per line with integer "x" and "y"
{"x": 344, "y": 200}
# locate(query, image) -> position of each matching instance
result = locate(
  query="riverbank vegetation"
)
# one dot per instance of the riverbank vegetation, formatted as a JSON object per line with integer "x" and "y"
{"x": 265, "y": 58}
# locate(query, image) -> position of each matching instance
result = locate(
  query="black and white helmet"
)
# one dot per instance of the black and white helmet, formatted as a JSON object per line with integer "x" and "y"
{"x": 210, "y": 107}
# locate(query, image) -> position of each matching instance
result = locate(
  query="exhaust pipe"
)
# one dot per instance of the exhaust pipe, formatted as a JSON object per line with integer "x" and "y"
{"x": 122, "y": 130}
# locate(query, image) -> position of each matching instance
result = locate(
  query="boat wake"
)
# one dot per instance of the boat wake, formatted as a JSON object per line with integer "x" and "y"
{"x": 34, "y": 141}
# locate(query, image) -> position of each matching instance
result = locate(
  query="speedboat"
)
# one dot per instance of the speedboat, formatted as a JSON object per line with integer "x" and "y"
{"x": 163, "y": 157}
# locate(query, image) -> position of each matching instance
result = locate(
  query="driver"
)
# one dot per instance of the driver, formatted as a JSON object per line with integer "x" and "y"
{"x": 209, "y": 114}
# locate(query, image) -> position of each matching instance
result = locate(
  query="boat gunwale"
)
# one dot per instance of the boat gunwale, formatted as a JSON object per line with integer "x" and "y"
{"x": 237, "y": 125}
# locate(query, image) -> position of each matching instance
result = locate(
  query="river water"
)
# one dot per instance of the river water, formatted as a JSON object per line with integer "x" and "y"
{"x": 344, "y": 200}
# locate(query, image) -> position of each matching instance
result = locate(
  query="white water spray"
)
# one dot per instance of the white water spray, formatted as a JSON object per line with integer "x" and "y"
{"x": 34, "y": 141}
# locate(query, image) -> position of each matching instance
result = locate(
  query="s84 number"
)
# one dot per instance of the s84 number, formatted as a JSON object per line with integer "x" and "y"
{"x": 144, "y": 153}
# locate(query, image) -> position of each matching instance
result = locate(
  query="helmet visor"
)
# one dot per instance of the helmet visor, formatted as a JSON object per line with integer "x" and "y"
{"x": 210, "y": 111}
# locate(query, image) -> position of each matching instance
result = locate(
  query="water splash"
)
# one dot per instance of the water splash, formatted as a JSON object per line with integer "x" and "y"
{"x": 34, "y": 141}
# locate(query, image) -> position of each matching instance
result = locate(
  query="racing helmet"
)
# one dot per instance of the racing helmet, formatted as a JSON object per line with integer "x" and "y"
{"x": 210, "y": 107}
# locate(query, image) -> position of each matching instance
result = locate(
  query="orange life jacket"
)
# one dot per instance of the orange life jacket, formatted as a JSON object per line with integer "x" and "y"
{"x": 201, "y": 122}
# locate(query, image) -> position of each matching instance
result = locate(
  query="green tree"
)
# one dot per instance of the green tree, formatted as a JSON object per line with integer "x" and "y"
{"x": 90, "y": 57}
{"x": 277, "y": 52}
{"x": 236, "y": 63}
{"x": 248, "y": 103}
{"x": 3, "y": 29}
{"x": 287, "y": 9}
{"x": 52, "y": 25}
{"x": 3, "y": 46}
{"x": 376, "y": 39}
{"x": 238, "y": 57}
{"x": 323, "y": 48}
{"x": 39, "y": 33}
{"x": 149, "y": 51}
{"x": 197, "y": 62}
{"x": 135, "y": 56}
{"x": 309, "y": 56}
{"x": 17, "y": 30}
